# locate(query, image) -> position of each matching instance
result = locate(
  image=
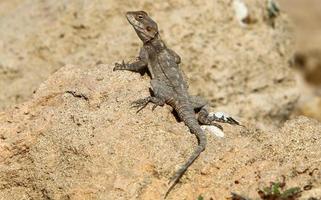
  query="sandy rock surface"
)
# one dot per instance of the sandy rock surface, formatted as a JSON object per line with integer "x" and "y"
{"x": 79, "y": 139}
{"x": 76, "y": 137}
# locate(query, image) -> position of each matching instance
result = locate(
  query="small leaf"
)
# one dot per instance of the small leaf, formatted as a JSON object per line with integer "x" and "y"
{"x": 200, "y": 197}
{"x": 292, "y": 192}
{"x": 267, "y": 190}
{"x": 276, "y": 189}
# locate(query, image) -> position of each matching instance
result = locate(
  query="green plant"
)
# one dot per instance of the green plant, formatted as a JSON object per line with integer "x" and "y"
{"x": 200, "y": 197}
{"x": 276, "y": 192}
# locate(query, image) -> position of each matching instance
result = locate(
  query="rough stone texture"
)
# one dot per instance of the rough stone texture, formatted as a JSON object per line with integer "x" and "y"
{"x": 79, "y": 139}
{"x": 243, "y": 71}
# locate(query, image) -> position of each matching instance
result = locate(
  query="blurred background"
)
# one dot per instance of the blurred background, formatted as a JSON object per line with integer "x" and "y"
{"x": 306, "y": 16}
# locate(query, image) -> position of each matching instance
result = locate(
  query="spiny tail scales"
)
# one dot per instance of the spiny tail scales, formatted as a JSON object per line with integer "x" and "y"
{"x": 186, "y": 114}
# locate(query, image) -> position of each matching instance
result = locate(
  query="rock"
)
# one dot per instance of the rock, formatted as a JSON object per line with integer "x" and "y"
{"x": 78, "y": 138}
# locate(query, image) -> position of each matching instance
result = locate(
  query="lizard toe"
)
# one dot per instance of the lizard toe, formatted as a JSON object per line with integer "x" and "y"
{"x": 140, "y": 103}
{"x": 120, "y": 66}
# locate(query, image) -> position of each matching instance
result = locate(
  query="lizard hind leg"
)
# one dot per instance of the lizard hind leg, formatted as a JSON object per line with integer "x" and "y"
{"x": 223, "y": 118}
{"x": 142, "y": 103}
{"x": 200, "y": 106}
{"x": 206, "y": 118}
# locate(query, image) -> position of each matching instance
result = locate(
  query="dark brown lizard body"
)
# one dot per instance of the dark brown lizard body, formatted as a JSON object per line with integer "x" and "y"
{"x": 168, "y": 85}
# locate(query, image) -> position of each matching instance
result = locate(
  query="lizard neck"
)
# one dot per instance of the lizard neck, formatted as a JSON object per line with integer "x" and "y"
{"x": 157, "y": 43}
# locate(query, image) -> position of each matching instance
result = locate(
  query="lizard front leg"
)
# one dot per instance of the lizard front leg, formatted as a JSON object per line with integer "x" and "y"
{"x": 134, "y": 66}
{"x": 138, "y": 65}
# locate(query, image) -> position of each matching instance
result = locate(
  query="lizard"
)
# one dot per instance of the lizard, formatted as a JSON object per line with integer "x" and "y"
{"x": 168, "y": 86}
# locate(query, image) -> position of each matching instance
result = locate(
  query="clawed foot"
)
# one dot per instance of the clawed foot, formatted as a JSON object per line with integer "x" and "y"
{"x": 222, "y": 117}
{"x": 140, "y": 103}
{"x": 208, "y": 122}
{"x": 120, "y": 66}
{"x": 206, "y": 118}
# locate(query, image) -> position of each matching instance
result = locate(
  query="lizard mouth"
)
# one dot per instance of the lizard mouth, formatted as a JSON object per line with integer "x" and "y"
{"x": 130, "y": 17}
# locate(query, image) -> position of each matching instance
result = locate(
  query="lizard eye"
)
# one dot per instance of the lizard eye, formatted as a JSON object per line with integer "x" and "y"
{"x": 140, "y": 17}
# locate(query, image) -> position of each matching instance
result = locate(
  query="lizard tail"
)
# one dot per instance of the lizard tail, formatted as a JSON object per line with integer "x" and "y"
{"x": 201, "y": 137}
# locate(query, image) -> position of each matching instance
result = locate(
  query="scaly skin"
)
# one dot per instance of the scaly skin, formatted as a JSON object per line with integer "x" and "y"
{"x": 168, "y": 85}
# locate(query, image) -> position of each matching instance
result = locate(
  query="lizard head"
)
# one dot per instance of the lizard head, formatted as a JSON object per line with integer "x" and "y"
{"x": 144, "y": 26}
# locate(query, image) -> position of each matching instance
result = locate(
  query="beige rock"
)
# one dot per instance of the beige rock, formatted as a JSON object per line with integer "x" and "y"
{"x": 78, "y": 138}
